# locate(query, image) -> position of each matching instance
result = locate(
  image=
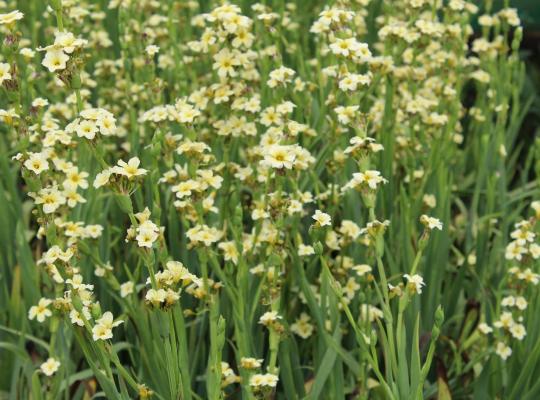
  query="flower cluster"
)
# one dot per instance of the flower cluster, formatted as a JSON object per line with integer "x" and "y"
{"x": 510, "y": 324}
{"x": 235, "y": 191}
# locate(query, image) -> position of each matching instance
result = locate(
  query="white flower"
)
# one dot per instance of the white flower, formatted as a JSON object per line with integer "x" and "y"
{"x": 126, "y": 289}
{"x": 186, "y": 112}
{"x": 322, "y": 219}
{"x": 278, "y": 156}
{"x": 51, "y": 198}
{"x": 395, "y": 290}
{"x": 5, "y": 73}
{"x": 503, "y": 350}
{"x": 75, "y": 179}
{"x": 40, "y": 312}
{"x": 505, "y": 321}
{"x": 346, "y": 114}
{"x": 282, "y": 75}
{"x": 367, "y": 144}
{"x": 361, "y": 269}
{"x": 37, "y": 163}
{"x": 304, "y": 250}
{"x": 294, "y": 207}
{"x": 535, "y": 205}
{"x": 369, "y": 178}
{"x": 230, "y": 252}
{"x": 224, "y": 63}
{"x": 27, "y": 53}
{"x": 106, "y": 123}
{"x": 103, "y": 328}
{"x": 351, "y": 82}
{"x": 55, "y": 60}
{"x": 521, "y": 303}
{"x": 87, "y": 129}
{"x": 76, "y": 318}
{"x": 518, "y": 331}
{"x": 508, "y": 301}
{"x": 485, "y": 328}
{"x": 50, "y": 366}
{"x": 429, "y": 200}
{"x": 302, "y": 326}
{"x": 534, "y": 249}
{"x": 431, "y": 222}
{"x": 415, "y": 282}
{"x": 67, "y": 42}
{"x": 102, "y": 178}
{"x": 204, "y": 234}
{"x": 344, "y": 47}
{"x": 76, "y": 282}
{"x": 268, "y": 317}
{"x": 371, "y": 313}
{"x": 147, "y": 234}
{"x": 151, "y": 50}
{"x": 130, "y": 169}
{"x": 250, "y": 362}
{"x": 529, "y": 276}
{"x": 514, "y": 251}
{"x": 9, "y": 18}
{"x": 156, "y": 297}
{"x": 259, "y": 380}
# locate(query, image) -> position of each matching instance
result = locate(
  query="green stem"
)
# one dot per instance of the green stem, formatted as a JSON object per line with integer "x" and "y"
{"x": 416, "y": 261}
{"x": 79, "y": 100}
{"x": 59, "y": 19}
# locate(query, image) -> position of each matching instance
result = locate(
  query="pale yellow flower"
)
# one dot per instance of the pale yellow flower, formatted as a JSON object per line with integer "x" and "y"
{"x": 259, "y": 380}
{"x": 37, "y": 163}
{"x": 5, "y": 72}
{"x": 130, "y": 169}
{"x": 503, "y": 350}
{"x": 55, "y": 60}
{"x": 9, "y": 18}
{"x": 322, "y": 219}
{"x": 50, "y": 366}
{"x": 40, "y": 312}
{"x": 103, "y": 328}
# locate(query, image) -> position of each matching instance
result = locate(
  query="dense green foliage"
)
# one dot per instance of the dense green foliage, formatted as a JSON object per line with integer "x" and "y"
{"x": 289, "y": 200}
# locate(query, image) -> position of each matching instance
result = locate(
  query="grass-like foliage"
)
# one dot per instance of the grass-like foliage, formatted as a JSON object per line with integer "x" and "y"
{"x": 302, "y": 199}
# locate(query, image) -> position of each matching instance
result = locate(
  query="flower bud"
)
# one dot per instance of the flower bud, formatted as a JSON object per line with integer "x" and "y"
{"x": 124, "y": 202}
{"x": 373, "y": 338}
{"x": 11, "y": 44}
{"x": 163, "y": 324}
{"x": 318, "y": 247}
{"x": 238, "y": 216}
{"x": 403, "y": 302}
{"x": 55, "y": 322}
{"x": 379, "y": 245}
{"x": 77, "y": 303}
{"x": 435, "y": 332}
{"x": 76, "y": 81}
{"x": 51, "y": 233}
{"x": 95, "y": 310}
{"x": 518, "y": 35}
{"x": 155, "y": 149}
{"x": 83, "y": 246}
{"x": 369, "y": 199}
{"x": 439, "y": 316}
